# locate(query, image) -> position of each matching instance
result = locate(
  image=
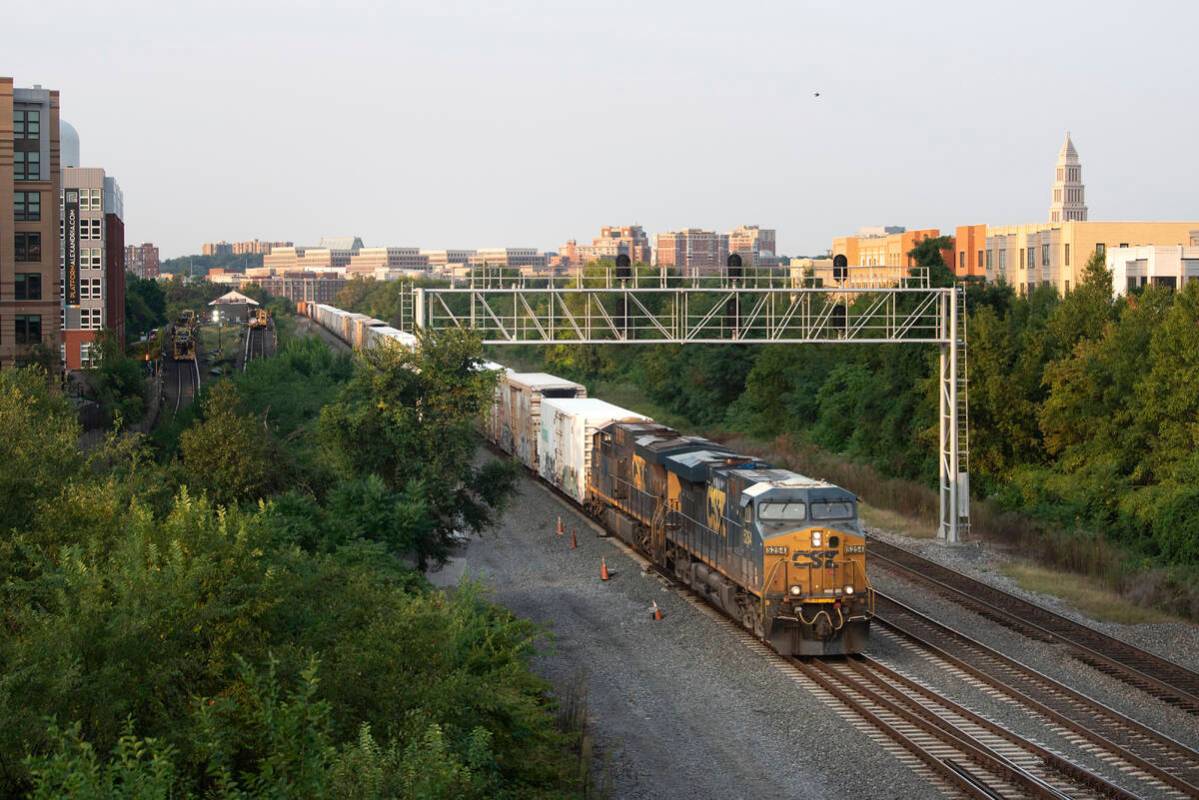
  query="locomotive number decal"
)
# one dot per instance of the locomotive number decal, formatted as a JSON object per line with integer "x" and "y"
{"x": 776, "y": 550}
{"x": 716, "y": 511}
{"x": 821, "y": 559}
{"x": 855, "y": 549}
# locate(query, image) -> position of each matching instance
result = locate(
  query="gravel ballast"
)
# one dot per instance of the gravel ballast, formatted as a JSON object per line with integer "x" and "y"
{"x": 678, "y": 708}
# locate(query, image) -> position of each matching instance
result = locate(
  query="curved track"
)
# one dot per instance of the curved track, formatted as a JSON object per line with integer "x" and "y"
{"x": 1164, "y": 764}
{"x": 1160, "y": 677}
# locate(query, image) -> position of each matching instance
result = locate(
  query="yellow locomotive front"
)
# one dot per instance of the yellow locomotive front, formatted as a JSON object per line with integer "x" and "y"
{"x": 815, "y": 595}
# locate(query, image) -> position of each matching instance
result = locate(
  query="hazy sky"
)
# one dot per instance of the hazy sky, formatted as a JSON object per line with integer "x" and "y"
{"x": 522, "y": 123}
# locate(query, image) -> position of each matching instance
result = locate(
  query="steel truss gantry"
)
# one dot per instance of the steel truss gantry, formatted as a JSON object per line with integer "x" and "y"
{"x": 726, "y": 310}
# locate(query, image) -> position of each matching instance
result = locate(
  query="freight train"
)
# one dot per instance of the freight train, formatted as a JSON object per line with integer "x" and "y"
{"x": 781, "y": 553}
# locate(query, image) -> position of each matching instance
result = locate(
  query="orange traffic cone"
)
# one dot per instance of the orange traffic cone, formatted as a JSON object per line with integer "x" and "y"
{"x": 657, "y": 612}
{"x": 603, "y": 569}
{"x": 561, "y": 530}
{"x": 574, "y": 542}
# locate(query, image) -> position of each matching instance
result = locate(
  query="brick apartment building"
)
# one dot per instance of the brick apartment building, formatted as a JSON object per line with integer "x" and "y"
{"x": 92, "y": 251}
{"x": 142, "y": 260}
{"x": 29, "y": 220}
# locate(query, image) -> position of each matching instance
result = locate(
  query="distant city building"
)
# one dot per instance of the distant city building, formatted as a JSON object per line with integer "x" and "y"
{"x": 380, "y": 262}
{"x": 30, "y": 182}
{"x": 629, "y": 240}
{"x": 755, "y": 245}
{"x": 249, "y": 247}
{"x": 693, "y": 251}
{"x": 142, "y": 260}
{"x": 445, "y": 261}
{"x": 512, "y": 257}
{"x": 1054, "y": 254}
{"x": 332, "y": 254}
{"x": 1069, "y": 195}
{"x": 884, "y": 250}
{"x": 970, "y": 243}
{"x": 296, "y": 286}
{"x": 1133, "y": 267}
{"x": 94, "y": 267}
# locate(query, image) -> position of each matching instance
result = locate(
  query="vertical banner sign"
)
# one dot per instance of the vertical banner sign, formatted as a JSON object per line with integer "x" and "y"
{"x": 71, "y": 235}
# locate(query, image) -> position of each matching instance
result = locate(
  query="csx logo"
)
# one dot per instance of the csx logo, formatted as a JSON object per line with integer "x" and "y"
{"x": 821, "y": 559}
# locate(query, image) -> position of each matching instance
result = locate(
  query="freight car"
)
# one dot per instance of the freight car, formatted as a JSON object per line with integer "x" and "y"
{"x": 780, "y": 552}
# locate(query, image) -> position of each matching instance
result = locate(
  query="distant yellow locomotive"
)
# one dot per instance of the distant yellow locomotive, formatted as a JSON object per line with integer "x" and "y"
{"x": 259, "y": 319}
{"x": 183, "y": 345}
{"x": 780, "y": 552}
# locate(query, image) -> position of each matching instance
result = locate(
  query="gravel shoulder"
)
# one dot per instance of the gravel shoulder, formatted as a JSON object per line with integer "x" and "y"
{"x": 681, "y": 708}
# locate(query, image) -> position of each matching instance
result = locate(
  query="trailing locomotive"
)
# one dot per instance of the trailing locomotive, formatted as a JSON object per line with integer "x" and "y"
{"x": 781, "y": 553}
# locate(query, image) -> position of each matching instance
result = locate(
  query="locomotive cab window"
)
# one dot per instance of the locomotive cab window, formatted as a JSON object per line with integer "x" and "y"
{"x": 832, "y": 510}
{"x": 782, "y": 512}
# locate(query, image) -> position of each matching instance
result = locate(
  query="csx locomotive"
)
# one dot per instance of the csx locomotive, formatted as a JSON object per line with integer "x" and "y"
{"x": 782, "y": 553}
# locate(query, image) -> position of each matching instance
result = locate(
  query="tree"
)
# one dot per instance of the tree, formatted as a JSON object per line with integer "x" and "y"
{"x": 411, "y": 418}
{"x": 927, "y": 253}
{"x": 229, "y": 454}
{"x": 145, "y": 306}
{"x": 39, "y": 445}
{"x": 118, "y": 382}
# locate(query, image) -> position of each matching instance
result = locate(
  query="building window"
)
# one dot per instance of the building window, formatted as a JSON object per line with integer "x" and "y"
{"x": 95, "y": 229}
{"x": 1045, "y": 255}
{"x": 1021, "y": 258}
{"x": 1003, "y": 261}
{"x": 980, "y": 259}
{"x": 1067, "y": 286}
{"x": 990, "y": 260}
{"x": 962, "y": 261}
{"x": 27, "y": 166}
{"x": 1124, "y": 244}
{"x": 85, "y": 354}
{"x": 29, "y": 247}
{"x": 29, "y": 328}
{"x": 27, "y": 206}
{"x": 1067, "y": 261}
{"x": 28, "y": 286}
{"x": 1101, "y": 249}
{"x": 96, "y": 288}
{"x": 26, "y": 124}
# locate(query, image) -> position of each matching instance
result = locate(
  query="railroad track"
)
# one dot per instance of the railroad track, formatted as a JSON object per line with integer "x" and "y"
{"x": 1162, "y": 763}
{"x": 187, "y": 383}
{"x": 958, "y": 750}
{"x": 1167, "y": 681}
{"x": 255, "y": 346}
{"x": 973, "y": 754}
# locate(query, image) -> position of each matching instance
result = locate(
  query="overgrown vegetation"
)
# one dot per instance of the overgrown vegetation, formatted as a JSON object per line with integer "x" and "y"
{"x": 234, "y": 614}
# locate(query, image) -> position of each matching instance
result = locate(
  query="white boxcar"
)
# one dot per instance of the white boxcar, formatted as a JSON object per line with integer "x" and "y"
{"x": 519, "y": 417}
{"x": 564, "y": 448}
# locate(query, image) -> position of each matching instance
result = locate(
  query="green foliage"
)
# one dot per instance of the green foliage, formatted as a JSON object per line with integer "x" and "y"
{"x": 410, "y": 418}
{"x": 927, "y": 253}
{"x": 38, "y": 445}
{"x": 145, "y": 306}
{"x": 118, "y": 382}
{"x": 199, "y": 265}
{"x": 227, "y": 453}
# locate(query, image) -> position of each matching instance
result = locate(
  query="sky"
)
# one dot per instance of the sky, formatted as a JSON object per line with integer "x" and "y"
{"x": 524, "y": 123}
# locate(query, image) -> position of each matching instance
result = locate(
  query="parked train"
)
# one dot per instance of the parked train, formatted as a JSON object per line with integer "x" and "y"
{"x": 260, "y": 318}
{"x": 357, "y": 330}
{"x": 183, "y": 344}
{"x": 781, "y": 553}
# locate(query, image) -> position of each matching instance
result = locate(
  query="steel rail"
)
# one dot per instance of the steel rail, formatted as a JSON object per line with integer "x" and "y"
{"x": 1158, "y": 756}
{"x": 1167, "y": 681}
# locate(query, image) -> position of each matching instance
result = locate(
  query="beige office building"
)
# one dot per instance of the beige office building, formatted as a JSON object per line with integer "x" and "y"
{"x": 755, "y": 245}
{"x": 512, "y": 257}
{"x": 692, "y": 251}
{"x": 445, "y": 261}
{"x": 613, "y": 241}
{"x": 381, "y": 262}
{"x": 1054, "y": 254}
{"x": 30, "y": 183}
{"x": 1172, "y": 266}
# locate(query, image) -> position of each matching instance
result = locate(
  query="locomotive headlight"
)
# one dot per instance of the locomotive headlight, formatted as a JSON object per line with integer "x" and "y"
{"x": 817, "y": 538}
{"x": 796, "y": 591}
{"x": 849, "y": 590}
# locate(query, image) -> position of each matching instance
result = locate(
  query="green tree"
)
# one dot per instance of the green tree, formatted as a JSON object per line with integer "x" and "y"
{"x": 229, "y": 454}
{"x": 39, "y": 446}
{"x": 118, "y": 382}
{"x": 145, "y": 306}
{"x": 927, "y": 253}
{"x": 411, "y": 417}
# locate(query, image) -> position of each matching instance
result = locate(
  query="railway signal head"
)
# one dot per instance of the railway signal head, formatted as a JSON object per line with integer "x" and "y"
{"x": 624, "y": 267}
{"x": 840, "y": 267}
{"x": 734, "y": 265}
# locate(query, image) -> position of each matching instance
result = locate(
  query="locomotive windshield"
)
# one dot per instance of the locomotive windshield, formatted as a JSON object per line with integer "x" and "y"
{"x": 780, "y": 512}
{"x": 832, "y": 510}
